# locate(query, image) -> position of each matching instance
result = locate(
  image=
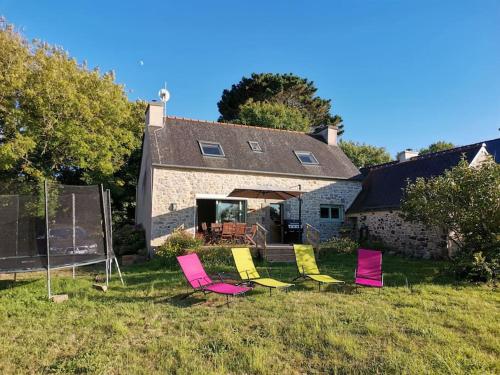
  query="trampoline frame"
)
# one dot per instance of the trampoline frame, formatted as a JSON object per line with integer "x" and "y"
{"x": 105, "y": 209}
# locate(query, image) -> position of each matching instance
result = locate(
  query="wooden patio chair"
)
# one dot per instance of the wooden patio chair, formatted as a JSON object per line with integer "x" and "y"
{"x": 240, "y": 232}
{"x": 228, "y": 230}
{"x": 206, "y": 233}
{"x": 216, "y": 231}
{"x": 250, "y": 235}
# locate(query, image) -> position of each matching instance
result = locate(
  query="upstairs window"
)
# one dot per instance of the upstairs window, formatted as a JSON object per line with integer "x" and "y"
{"x": 306, "y": 158}
{"x": 331, "y": 212}
{"x": 255, "y": 146}
{"x": 211, "y": 149}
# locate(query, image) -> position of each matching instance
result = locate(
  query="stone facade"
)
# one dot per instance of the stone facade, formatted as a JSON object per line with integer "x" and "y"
{"x": 174, "y": 194}
{"x": 411, "y": 239}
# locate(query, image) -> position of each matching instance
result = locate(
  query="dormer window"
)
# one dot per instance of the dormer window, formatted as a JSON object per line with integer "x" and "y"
{"x": 306, "y": 158}
{"x": 255, "y": 146}
{"x": 211, "y": 149}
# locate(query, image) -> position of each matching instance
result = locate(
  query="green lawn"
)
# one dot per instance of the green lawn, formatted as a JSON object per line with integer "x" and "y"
{"x": 435, "y": 326}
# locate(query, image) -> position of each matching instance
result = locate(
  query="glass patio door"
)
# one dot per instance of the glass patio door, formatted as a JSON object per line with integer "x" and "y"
{"x": 229, "y": 210}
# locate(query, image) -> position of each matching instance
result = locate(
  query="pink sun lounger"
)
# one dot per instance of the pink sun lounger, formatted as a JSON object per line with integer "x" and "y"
{"x": 200, "y": 282}
{"x": 369, "y": 269}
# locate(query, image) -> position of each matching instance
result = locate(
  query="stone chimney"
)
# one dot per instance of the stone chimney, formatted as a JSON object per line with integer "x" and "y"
{"x": 406, "y": 155}
{"x": 154, "y": 114}
{"x": 328, "y": 134}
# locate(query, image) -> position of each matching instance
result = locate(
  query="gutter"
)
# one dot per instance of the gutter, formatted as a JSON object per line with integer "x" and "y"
{"x": 174, "y": 166}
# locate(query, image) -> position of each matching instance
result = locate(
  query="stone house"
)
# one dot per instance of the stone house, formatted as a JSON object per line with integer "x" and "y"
{"x": 189, "y": 168}
{"x": 375, "y": 214}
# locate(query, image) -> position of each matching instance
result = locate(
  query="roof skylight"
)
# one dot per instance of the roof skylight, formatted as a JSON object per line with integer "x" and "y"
{"x": 211, "y": 149}
{"x": 255, "y": 146}
{"x": 306, "y": 157}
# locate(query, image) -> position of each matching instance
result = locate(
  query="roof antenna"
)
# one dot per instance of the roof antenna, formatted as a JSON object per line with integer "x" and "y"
{"x": 164, "y": 98}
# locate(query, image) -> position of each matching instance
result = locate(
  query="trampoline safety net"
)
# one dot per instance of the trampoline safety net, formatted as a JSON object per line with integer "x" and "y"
{"x": 79, "y": 219}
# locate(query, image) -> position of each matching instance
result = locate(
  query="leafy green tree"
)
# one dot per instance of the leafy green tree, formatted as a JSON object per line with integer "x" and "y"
{"x": 437, "y": 146}
{"x": 60, "y": 120}
{"x": 464, "y": 201}
{"x": 273, "y": 115}
{"x": 363, "y": 155}
{"x": 286, "y": 89}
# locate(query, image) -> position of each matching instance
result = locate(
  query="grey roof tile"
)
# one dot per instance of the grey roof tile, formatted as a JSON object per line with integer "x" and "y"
{"x": 176, "y": 144}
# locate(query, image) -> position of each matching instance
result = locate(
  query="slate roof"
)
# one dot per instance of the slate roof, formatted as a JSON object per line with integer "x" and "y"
{"x": 493, "y": 147}
{"x": 383, "y": 184}
{"x": 176, "y": 144}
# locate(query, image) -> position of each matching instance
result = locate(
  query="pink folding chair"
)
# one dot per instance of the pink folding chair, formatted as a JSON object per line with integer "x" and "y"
{"x": 369, "y": 269}
{"x": 200, "y": 282}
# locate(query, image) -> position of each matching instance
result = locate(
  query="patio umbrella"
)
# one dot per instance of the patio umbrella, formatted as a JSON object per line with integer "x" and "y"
{"x": 269, "y": 193}
{"x": 277, "y": 194}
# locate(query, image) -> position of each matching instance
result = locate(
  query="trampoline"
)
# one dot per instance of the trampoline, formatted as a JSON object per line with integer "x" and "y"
{"x": 55, "y": 227}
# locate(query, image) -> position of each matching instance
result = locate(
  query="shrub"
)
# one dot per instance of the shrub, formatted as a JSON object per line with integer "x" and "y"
{"x": 464, "y": 201}
{"x": 339, "y": 245}
{"x": 178, "y": 244}
{"x": 216, "y": 256}
{"x": 129, "y": 239}
{"x": 480, "y": 269}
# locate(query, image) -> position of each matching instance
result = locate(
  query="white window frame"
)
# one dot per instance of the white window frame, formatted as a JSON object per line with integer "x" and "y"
{"x": 255, "y": 146}
{"x": 308, "y": 153}
{"x": 331, "y": 219}
{"x": 201, "y": 143}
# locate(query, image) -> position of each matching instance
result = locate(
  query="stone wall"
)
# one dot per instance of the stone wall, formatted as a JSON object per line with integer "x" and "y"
{"x": 183, "y": 187}
{"x": 402, "y": 236}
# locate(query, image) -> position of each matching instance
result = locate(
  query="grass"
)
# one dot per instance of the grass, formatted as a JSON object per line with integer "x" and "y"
{"x": 435, "y": 326}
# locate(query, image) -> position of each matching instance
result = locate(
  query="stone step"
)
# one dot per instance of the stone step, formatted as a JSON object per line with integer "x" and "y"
{"x": 280, "y": 253}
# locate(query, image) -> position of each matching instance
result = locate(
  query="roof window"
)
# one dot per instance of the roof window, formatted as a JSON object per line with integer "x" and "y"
{"x": 211, "y": 149}
{"x": 306, "y": 157}
{"x": 255, "y": 146}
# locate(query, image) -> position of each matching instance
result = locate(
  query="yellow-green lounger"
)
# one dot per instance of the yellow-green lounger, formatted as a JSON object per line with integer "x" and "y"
{"x": 306, "y": 263}
{"x": 248, "y": 273}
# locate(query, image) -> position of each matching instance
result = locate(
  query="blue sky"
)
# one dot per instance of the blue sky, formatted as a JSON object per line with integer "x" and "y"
{"x": 402, "y": 74}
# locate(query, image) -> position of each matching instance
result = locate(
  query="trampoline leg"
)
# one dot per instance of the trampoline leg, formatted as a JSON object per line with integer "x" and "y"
{"x": 107, "y": 272}
{"x": 48, "y": 283}
{"x": 15, "y": 276}
{"x": 119, "y": 272}
{"x": 73, "y": 272}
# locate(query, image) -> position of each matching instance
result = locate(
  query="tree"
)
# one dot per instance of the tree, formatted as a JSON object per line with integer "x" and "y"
{"x": 273, "y": 115}
{"x": 436, "y": 146}
{"x": 363, "y": 155}
{"x": 286, "y": 89}
{"x": 464, "y": 201}
{"x": 58, "y": 119}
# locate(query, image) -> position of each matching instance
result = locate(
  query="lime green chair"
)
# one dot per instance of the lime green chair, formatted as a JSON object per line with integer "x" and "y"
{"x": 248, "y": 272}
{"x": 308, "y": 269}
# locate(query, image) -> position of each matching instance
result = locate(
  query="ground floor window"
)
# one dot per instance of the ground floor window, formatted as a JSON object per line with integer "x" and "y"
{"x": 231, "y": 211}
{"x": 331, "y": 212}
{"x": 220, "y": 211}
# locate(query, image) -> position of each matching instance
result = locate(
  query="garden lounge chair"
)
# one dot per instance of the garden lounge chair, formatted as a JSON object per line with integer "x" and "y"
{"x": 199, "y": 280}
{"x": 369, "y": 269}
{"x": 248, "y": 273}
{"x": 308, "y": 269}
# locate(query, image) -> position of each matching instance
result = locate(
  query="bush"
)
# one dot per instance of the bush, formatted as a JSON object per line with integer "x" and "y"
{"x": 479, "y": 269}
{"x": 178, "y": 244}
{"x": 464, "y": 201}
{"x": 339, "y": 245}
{"x": 216, "y": 256}
{"x": 129, "y": 239}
